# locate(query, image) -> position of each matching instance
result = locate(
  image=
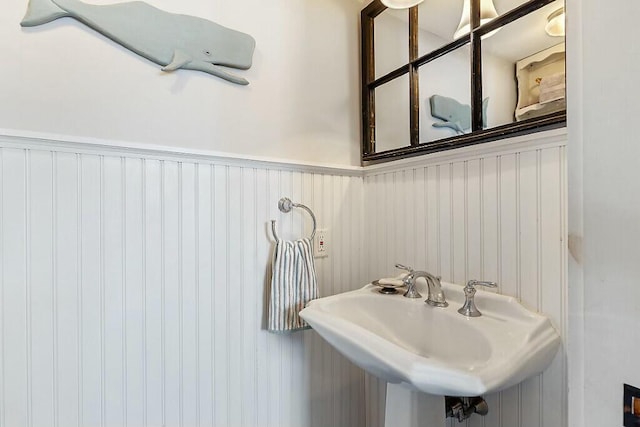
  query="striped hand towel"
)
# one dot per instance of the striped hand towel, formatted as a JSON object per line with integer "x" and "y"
{"x": 293, "y": 284}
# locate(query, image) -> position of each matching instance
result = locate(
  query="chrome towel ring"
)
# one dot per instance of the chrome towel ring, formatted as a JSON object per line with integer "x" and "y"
{"x": 285, "y": 205}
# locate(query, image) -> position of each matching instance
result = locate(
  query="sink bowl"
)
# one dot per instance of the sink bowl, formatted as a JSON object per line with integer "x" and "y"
{"x": 436, "y": 350}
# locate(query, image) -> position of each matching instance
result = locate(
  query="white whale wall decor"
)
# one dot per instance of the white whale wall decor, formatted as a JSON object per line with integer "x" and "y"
{"x": 171, "y": 40}
{"x": 455, "y": 115}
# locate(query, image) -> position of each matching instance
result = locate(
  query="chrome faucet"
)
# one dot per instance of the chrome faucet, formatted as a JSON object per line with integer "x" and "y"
{"x": 436, "y": 296}
{"x": 469, "y": 308}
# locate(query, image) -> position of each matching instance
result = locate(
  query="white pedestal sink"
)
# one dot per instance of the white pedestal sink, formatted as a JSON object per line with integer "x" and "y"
{"x": 419, "y": 348}
{"x": 406, "y": 408}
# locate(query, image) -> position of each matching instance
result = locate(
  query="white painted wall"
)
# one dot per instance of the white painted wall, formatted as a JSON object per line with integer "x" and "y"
{"x": 604, "y": 151}
{"x": 493, "y": 214}
{"x": 132, "y": 290}
{"x": 64, "y": 79}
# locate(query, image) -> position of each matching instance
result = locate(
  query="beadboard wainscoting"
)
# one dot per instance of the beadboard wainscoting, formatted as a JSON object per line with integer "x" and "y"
{"x": 495, "y": 214}
{"x": 132, "y": 290}
{"x": 132, "y": 280}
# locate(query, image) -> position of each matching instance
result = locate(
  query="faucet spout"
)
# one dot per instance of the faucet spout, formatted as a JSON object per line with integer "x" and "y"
{"x": 436, "y": 296}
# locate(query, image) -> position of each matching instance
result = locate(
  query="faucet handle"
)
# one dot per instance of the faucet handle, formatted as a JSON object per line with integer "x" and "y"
{"x": 409, "y": 281}
{"x": 405, "y": 268}
{"x": 472, "y": 283}
{"x": 469, "y": 308}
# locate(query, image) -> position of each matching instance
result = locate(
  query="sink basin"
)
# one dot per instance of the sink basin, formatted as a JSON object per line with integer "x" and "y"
{"x": 436, "y": 350}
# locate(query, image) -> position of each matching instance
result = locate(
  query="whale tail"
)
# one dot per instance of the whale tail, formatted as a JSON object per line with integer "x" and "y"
{"x": 42, "y": 11}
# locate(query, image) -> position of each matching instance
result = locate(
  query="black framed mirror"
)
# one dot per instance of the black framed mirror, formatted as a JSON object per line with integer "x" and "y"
{"x": 431, "y": 84}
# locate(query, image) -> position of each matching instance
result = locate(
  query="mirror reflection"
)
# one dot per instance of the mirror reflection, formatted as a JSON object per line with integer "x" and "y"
{"x": 391, "y": 38}
{"x": 520, "y": 68}
{"x": 444, "y": 83}
{"x": 392, "y": 114}
{"x": 521, "y": 65}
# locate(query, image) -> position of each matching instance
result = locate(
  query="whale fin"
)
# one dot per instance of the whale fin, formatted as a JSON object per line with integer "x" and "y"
{"x": 216, "y": 70}
{"x": 183, "y": 60}
{"x": 42, "y": 11}
{"x": 452, "y": 125}
{"x": 441, "y": 125}
{"x": 180, "y": 59}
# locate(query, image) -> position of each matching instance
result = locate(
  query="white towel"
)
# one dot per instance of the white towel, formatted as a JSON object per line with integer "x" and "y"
{"x": 293, "y": 284}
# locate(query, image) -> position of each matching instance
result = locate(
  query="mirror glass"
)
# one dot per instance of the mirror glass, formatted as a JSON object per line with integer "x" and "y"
{"x": 504, "y": 6}
{"x": 392, "y": 114}
{"x": 443, "y": 81}
{"x": 438, "y": 20}
{"x": 522, "y": 69}
{"x": 391, "y": 40}
{"x": 521, "y": 62}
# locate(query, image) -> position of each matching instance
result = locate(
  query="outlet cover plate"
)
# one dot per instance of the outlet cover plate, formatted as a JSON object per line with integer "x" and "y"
{"x": 321, "y": 243}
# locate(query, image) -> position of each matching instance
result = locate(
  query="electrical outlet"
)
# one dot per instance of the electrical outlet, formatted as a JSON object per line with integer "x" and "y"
{"x": 321, "y": 244}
